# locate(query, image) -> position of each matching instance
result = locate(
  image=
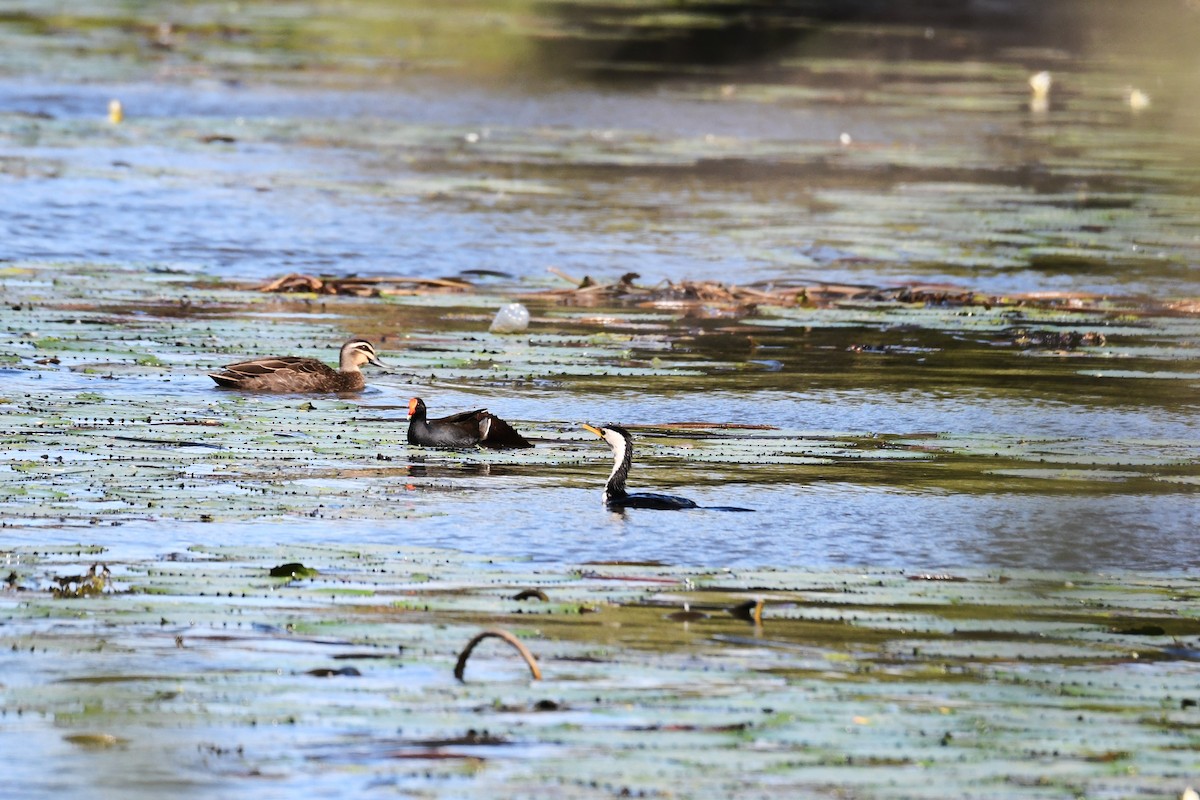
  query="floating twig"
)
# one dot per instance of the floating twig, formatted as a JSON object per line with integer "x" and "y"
{"x": 528, "y": 594}
{"x": 497, "y": 633}
{"x": 292, "y": 282}
{"x": 95, "y": 582}
{"x": 329, "y": 672}
{"x": 600, "y": 576}
{"x": 942, "y": 577}
{"x": 568, "y": 278}
{"x": 728, "y": 426}
{"x": 363, "y": 286}
{"x": 168, "y": 442}
{"x": 744, "y": 299}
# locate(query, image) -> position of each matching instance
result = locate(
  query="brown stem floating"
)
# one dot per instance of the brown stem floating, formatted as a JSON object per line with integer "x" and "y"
{"x": 497, "y": 633}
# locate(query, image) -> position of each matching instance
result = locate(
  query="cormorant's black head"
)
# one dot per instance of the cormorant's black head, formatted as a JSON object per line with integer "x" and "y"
{"x": 617, "y": 437}
{"x": 624, "y": 434}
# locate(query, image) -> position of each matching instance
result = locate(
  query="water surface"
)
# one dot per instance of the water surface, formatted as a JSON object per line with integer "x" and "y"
{"x": 974, "y": 504}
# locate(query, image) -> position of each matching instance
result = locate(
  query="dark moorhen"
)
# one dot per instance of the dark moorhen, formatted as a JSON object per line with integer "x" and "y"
{"x": 465, "y": 430}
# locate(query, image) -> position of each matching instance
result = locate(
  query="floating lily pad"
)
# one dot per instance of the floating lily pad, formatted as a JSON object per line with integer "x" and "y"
{"x": 882, "y": 670}
{"x": 293, "y": 570}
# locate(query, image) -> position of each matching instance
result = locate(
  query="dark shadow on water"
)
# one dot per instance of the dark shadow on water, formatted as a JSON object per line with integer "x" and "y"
{"x": 614, "y": 40}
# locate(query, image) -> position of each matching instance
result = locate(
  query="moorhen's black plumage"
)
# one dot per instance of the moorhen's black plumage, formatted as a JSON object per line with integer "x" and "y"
{"x": 298, "y": 374}
{"x": 463, "y": 430}
{"x": 615, "y": 495}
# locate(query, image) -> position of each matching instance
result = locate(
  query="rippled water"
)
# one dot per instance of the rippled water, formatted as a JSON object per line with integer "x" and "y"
{"x": 941, "y": 176}
{"x": 262, "y": 143}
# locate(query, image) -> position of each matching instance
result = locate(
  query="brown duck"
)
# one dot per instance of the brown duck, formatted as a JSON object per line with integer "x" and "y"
{"x": 296, "y": 374}
{"x": 466, "y": 429}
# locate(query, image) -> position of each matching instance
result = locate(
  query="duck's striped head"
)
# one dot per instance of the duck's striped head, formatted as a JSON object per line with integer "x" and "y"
{"x": 357, "y": 352}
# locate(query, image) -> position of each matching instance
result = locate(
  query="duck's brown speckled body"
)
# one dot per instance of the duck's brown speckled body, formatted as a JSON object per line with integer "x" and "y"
{"x": 297, "y": 374}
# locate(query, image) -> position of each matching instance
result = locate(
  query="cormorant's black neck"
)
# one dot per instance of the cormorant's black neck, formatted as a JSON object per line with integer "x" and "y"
{"x": 622, "y": 459}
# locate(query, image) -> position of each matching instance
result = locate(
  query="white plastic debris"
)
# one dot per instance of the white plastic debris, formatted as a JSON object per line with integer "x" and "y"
{"x": 1040, "y": 83}
{"x": 512, "y": 318}
{"x": 1138, "y": 100}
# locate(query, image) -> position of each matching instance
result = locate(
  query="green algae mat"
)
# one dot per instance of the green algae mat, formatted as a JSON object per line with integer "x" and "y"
{"x": 110, "y": 418}
{"x": 202, "y": 671}
{"x": 211, "y": 592}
